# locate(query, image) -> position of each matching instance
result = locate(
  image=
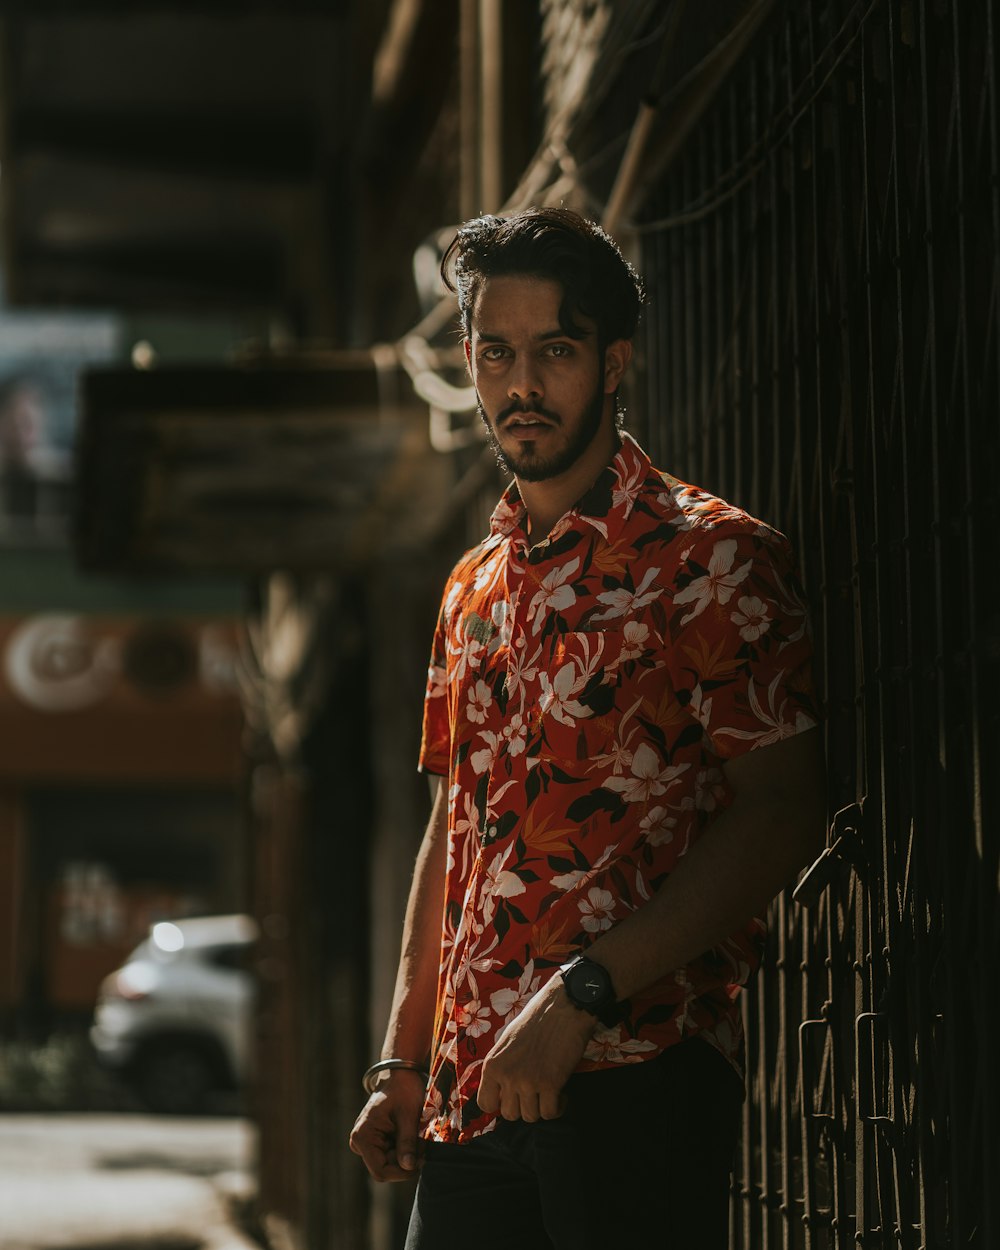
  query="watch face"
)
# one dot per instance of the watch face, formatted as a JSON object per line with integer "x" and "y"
{"x": 588, "y": 984}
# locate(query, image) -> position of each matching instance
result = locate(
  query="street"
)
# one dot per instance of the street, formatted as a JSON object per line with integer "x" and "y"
{"x": 126, "y": 1182}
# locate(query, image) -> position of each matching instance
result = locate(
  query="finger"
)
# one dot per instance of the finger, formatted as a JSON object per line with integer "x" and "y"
{"x": 362, "y": 1136}
{"x": 380, "y": 1159}
{"x": 372, "y": 1128}
{"x": 373, "y": 1155}
{"x": 510, "y": 1105}
{"x": 392, "y": 1172}
{"x": 552, "y": 1104}
{"x": 488, "y": 1096}
{"x": 530, "y": 1108}
{"x": 407, "y": 1154}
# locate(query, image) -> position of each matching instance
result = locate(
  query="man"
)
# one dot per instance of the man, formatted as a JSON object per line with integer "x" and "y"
{"x": 619, "y": 703}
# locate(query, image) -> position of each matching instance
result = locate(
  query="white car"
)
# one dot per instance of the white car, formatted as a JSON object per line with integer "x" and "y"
{"x": 175, "y": 1019}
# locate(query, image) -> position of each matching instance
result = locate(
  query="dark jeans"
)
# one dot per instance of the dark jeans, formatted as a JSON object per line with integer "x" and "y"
{"x": 641, "y": 1158}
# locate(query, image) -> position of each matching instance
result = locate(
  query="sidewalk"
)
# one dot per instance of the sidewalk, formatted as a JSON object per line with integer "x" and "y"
{"x": 90, "y": 1213}
{"x": 118, "y": 1183}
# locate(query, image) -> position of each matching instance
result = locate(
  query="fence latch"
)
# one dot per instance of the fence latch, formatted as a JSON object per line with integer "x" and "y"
{"x": 844, "y": 849}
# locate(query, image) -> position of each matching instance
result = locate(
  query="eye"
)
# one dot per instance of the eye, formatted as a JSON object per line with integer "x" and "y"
{"x": 493, "y": 353}
{"x": 559, "y": 350}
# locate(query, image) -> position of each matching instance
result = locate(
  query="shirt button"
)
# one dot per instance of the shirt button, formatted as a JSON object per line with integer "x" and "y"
{"x": 492, "y": 831}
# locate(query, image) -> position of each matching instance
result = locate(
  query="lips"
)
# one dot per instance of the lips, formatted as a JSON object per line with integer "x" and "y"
{"x": 525, "y": 427}
{"x": 528, "y": 420}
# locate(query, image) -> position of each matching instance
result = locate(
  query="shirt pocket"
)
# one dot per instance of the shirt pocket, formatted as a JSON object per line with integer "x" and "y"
{"x": 486, "y": 647}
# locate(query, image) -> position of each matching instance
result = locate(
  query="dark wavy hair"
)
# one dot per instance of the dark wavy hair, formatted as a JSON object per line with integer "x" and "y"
{"x": 597, "y": 280}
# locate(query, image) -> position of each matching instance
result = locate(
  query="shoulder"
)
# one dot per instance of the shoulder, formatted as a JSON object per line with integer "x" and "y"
{"x": 485, "y": 553}
{"x": 471, "y": 570}
{"x": 696, "y": 520}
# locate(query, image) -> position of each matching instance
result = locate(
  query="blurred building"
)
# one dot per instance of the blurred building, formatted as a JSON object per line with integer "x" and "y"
{"x": 119, "y": 711}
{"x": 120, "y": 805}
{"x": 811, "y": 192}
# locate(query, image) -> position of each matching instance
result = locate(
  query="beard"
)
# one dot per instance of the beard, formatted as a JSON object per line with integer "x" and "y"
{"x": 524, "y": 462}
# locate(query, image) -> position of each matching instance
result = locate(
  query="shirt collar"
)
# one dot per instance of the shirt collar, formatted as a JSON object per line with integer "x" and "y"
{"x": 605, "y": 507}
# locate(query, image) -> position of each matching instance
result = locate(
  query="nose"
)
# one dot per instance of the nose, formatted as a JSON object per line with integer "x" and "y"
{"x": 524, "y": 381}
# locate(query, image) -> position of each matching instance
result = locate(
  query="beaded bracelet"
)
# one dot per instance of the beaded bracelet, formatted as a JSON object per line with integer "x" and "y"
{"x": 387, "y": 1065}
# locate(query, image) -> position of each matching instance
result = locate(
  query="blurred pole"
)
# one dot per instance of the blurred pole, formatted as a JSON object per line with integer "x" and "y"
{"x": 468, "y": 113}
{"x": 491, "y": 104}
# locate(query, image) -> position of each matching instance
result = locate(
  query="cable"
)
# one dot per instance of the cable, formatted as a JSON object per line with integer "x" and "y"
{"x": 700, "y": 208}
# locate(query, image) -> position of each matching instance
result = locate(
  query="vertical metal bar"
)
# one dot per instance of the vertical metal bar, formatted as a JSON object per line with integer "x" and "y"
{"x": 897, "y": 919}
{"x": 740, "y": 134}
{"x": 873, "y": 619}
{"x": 787, "y": 365}
{"x": 752, "y": 487}
{"x": 798, "y": 274}
{"x": 678, "y": 303}
{"x": 783, "y": 1059}
{"x": 700, "y": 314}
{"x": 845, "y": 925}
{"x": 715, "y": 413}
{"x": 939, "y": 501}
{"x": 827, "y": 416}
{"x": 759, "y": 370}
{"x": 984, "y": 675}
{"x": 770, "y": 412}
{"x": 769, "y": 502}
{"x": 746, "y": 1192}
{"x": 692, "y": 432}
{"x": 763, "y": 1120}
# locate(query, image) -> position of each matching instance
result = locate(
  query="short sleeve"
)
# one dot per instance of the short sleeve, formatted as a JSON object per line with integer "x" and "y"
{"x": 740, "y": 650}
{"x": 435, "y": 742}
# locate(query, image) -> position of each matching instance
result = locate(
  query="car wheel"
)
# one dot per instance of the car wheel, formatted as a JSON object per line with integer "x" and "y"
{"x": 176, "y": 1079}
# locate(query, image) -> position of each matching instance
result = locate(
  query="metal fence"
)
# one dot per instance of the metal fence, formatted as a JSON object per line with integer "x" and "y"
{"x": 822, "y": 348}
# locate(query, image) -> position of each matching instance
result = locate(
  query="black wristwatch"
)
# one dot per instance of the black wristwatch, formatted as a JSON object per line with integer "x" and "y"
{"x": 589, "y": 988}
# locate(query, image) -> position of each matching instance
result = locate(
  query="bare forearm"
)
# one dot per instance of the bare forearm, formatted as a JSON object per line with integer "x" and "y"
{"x": 385, "y": 1134}
{"x": 725, "y": 880}
{"x": 411, "y": 1020}
{"x": 746, "y": 857}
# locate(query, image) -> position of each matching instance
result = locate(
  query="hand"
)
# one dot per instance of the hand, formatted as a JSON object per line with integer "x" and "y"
{"x": 533, "y": 1057}
{"x": 385, "y": 1133}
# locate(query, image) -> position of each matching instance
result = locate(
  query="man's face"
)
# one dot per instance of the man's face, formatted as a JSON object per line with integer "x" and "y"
{"x": 541, "y": 393}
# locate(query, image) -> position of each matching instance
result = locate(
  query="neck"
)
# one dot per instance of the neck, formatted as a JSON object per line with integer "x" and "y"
{"x": 547, "y": 501}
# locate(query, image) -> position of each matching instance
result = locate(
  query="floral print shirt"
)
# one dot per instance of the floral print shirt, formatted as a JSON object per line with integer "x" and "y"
{"x": 583, "y": 695}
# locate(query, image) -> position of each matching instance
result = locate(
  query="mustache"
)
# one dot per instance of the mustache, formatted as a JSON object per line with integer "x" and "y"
{"x": 527, "y": 410}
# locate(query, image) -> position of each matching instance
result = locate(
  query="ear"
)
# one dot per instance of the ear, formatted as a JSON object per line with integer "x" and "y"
{"x": 468, "y": 355}
{"x": 616, "y": 360}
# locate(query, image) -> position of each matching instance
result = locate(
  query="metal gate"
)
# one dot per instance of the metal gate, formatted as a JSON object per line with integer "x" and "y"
{"x": 822, "y": 348}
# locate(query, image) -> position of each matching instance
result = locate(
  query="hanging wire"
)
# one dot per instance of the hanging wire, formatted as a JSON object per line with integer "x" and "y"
{"x": 763, "y": 148}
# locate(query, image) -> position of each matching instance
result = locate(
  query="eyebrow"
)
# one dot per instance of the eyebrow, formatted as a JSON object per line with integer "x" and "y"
{"x": 485, "y": 336}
